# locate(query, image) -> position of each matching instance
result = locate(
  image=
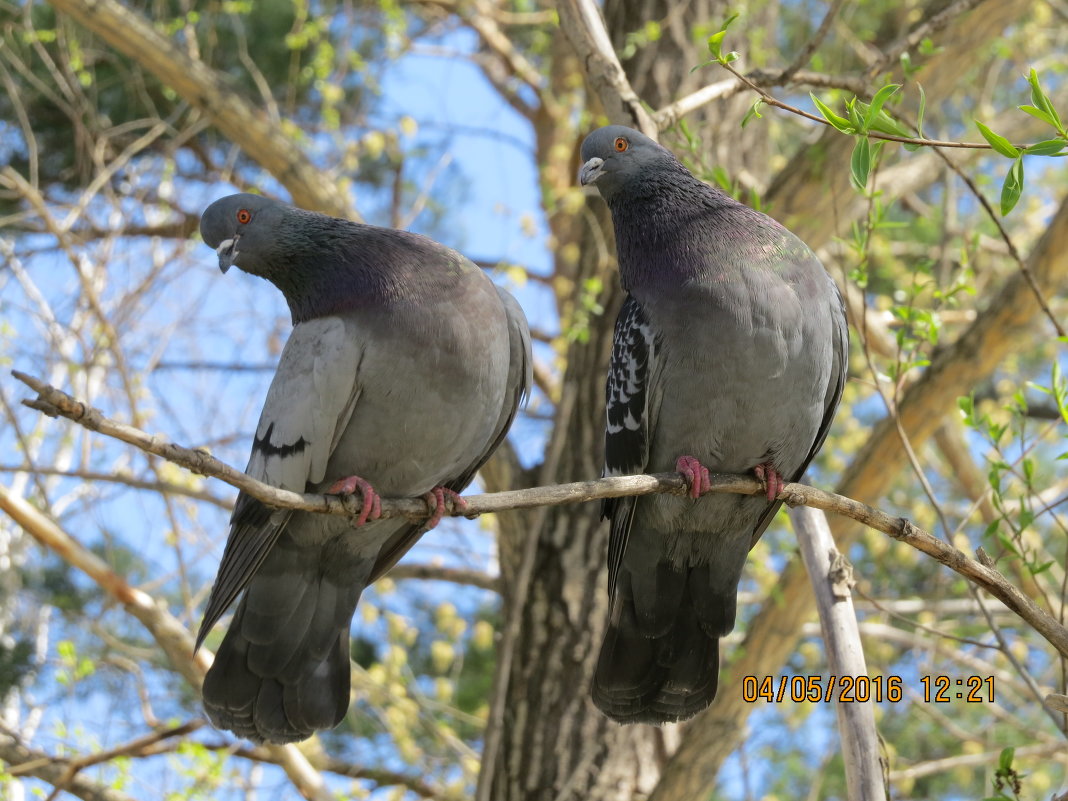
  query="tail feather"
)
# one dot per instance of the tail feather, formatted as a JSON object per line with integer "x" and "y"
{"x": 662, "y": 665}
{"x": 282, "y": 670}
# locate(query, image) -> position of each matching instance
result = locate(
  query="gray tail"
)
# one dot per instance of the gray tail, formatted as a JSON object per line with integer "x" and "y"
{"x": 282, "y": 670}
{"x": 659, "y": 662}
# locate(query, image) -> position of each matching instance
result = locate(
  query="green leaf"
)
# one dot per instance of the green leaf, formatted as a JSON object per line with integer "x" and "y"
{"x": 878, "y": 102}
{"x": 966, "y": 404}
{"x": 1038, "y": 97}
{"x": 754, "y": 111}
{"x": 838, "y": 121}
{"x": 1013, "y": 187}
{"x": 884, "y": 123}
{"x": 855, "y": 108}
{"x": 998, "y": 142}
{"x": 1005, "y": 759}
{"x": 1037, "y": 112}
{"x": 1047, "y": 147}
{"x": 919, "y": 116}
{"x": 860, "y": 163}
{"x": 715, "y": 41}
{"x": 1008, "y": 545}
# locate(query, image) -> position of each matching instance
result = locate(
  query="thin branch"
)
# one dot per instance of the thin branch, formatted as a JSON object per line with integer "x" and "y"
{"x": 482, "y": 20}
{"x": 673, "y": 112}
{"x": 49, "y": 768}
{"x": 771, "y": 100}
{"x": 936, "y": 766}
{"x": 456, "y": 575}
{"x": 263, "y": 140}
{"x": 119, "y": 478}
{"x": 931, "y": 25}
{"x": 133, "y": 748}
{"x": 53, "y": 402}
{"x": 813, "y": 44}
{"x": 173, "y": 638}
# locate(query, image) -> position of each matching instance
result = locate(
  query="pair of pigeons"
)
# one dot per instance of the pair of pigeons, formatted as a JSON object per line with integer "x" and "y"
{"x": 404, "y": 371}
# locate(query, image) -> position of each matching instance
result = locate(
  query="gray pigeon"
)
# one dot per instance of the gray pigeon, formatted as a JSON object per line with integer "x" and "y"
{"x": 404, "y": 371}
{"x": 730, "y": 355}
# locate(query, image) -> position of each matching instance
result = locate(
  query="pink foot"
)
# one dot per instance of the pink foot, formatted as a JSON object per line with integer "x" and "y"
{"x": 435, "y": 501}
{"x": 770, "y": 478}
{"x": 371, "y": 506}
{"x": 695, "y": 473}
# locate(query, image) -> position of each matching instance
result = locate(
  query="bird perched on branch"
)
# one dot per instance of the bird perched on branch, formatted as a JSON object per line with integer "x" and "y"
{"x": 404, "y": 371}
{"x": 730, "y": 355}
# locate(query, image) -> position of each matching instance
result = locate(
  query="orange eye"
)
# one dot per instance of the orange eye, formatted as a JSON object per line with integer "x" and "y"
{"x": 621, "y": 144}
{"x": 244, "y": 216}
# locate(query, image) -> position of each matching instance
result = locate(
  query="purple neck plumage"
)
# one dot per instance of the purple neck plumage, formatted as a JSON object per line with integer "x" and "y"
{"x": 662, "y": 227}
{"x": 672, "y": 228}
{"x": 342, "y": 268}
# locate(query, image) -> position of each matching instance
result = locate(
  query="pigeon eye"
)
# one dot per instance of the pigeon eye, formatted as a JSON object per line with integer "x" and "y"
{"x": 244, "y": 216}
{"x": 621, "y": 144}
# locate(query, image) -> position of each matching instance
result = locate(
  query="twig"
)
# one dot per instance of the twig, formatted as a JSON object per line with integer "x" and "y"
{"x": 810, "y": 47}
{"x": 936, "y": 766}
{"x": 54, "y": 402}
{"x": 671, "y": 113}
{"x": 455, "y": 575}
{"x": 132, "y": 748}
{"x": 172, "y": 636}
{"x": 932, "y": 24}
{"x": 771, "y": 100}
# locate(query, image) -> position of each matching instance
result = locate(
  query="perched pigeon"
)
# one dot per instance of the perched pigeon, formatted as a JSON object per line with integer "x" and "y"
{"x": 404, "y": 371}
{"x": 729, "y": 355}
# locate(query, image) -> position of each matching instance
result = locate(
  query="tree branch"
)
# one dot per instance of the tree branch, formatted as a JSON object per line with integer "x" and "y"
{"x": 175, "y": 640}
{"x": 455, "y": 575}
{"x": 240, "y": 121}
{"x": 53, "y": 402}
{"x": 22, "y": 761}
{"x": 581, "y": 21}
{"x": 832, "y": 579}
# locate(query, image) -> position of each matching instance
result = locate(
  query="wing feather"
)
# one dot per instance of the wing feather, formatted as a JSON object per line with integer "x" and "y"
{"x": 520, "y": 380}
{"x": 311, "y": 398}
{"x": 628, "y": 404}
{"x": 835, "y": 387}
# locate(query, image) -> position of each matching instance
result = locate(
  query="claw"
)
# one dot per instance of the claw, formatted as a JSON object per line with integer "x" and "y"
{"x": 371, "y": 505}
{"x": 770, "y": 478}
{"x": 696, "y": 475}
{"x": 435, "y": 502}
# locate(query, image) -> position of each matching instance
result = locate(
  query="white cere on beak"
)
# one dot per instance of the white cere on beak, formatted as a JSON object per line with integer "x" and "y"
{"x": 591, "y": 171}
{"x": 227, "y": 252}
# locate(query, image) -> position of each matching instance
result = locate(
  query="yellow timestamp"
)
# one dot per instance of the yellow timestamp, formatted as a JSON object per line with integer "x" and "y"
{"x": 849, "y": 689}
{"x": 844, "y": 689}
{"x": 943, "y": 689}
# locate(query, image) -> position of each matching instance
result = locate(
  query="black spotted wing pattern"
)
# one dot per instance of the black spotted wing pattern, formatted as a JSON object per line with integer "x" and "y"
{"x": 627, "y": 405}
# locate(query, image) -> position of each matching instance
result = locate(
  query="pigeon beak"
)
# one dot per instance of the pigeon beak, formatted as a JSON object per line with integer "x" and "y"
{"x": 227, "y": 251}
{"x": 591, "y": 171}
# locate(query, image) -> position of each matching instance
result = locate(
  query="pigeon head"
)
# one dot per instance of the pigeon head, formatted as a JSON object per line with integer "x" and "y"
{"x": 615, "y": 156}
{"x": 243, "y": 229}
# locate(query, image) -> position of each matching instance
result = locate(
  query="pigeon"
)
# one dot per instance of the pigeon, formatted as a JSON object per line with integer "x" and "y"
{"x": 729, "y": 355}
{"x": 404, "y": 371}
